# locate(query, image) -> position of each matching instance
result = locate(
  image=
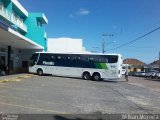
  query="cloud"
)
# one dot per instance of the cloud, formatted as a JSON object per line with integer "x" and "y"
{"x": 79, "y": 13}
{"x": 83, "y": 12}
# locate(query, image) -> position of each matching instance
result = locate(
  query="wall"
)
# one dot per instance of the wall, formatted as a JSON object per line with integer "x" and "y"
{"x": 65, "y": 45}
{"x": 35, "y": 32}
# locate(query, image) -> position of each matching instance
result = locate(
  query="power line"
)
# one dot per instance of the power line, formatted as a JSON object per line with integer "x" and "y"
{"x": 144, "y": 47}
{"x": 135, "y": 39}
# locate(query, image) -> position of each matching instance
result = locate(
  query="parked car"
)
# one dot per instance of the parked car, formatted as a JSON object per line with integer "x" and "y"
{"x": 142, "y": 74}
{"x": 136, "y": 74}
{"x": 139, "y": 74}
{"x": 123, "y": 71}
{"x": 158, "y": 75}
{"x": 154, "y": 74}
{"x": 151, "y": 74}
{"x": 131, "y": 73}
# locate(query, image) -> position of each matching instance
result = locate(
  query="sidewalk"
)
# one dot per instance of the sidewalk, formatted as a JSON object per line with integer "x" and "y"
{"x": 153, "y": 84}
{"x": 15, "y": 77}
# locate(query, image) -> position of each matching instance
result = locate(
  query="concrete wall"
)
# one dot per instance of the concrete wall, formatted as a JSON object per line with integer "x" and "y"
{"x": 65, "y": 45}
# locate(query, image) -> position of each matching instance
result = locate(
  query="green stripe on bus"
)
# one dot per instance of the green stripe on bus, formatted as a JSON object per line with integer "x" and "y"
{"x": 101, "y": 65}
{"x": 104, "y": 66}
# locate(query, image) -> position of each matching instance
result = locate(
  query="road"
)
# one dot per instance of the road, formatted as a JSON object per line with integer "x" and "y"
{"x": 59, "y": 95}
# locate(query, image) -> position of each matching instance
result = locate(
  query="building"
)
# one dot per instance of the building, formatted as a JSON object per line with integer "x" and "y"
{"x": 154, "y": 65}
{"x": 134, "y": 65}
{"x": 21, "y": 34}
{"x": 65, "y": 45}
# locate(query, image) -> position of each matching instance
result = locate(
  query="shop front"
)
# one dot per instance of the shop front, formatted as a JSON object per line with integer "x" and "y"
{"x": 15, "y": 51}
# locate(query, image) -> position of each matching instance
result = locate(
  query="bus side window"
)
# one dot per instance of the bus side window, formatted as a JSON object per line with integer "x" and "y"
{"x": 84, "y": 58}
{"x": 91, "y": 58}
{"x": 113, "y": 59}
{"x": 68, "y": 58}
{"x": 52, "y": 58}
{"x": 59, "y": 58}
{"x": 76, "y": 58}
{"x": 64, "y": 58}
{"x": 104, "y": 59}
{"x": 94, "y": 58}
{"x": 47, "y": 58}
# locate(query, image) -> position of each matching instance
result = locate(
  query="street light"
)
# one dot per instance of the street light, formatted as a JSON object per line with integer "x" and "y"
{"x": 104, "y": 35}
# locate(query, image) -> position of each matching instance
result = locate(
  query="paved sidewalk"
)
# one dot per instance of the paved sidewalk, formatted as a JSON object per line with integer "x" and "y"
{"x": 152, "y": 84}
{"x": 15, "y": 77}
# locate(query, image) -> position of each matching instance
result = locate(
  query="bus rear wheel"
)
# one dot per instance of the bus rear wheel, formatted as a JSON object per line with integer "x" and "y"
{"x": 96, "y": 77}
{"x": 40, "y": 72}
{"x": 86, "y": 76}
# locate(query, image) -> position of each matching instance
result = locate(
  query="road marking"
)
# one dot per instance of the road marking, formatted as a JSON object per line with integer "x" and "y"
{"x": 40, "y": 109}
{"x": 137, "y": 84}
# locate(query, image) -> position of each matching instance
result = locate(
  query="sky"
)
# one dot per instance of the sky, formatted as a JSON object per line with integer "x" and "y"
{"x": 90, "y": 19}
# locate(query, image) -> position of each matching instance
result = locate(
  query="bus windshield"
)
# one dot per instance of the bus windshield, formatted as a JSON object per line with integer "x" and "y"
{"x": 33, "y": 59}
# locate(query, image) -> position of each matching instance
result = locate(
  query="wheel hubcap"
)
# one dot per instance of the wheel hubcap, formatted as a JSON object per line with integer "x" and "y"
{"x": 96, "y": 77}
{"x": 86, "y": 76}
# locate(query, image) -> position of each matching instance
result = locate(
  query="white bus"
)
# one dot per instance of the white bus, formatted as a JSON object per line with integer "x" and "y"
{"x": 86, "y": 66}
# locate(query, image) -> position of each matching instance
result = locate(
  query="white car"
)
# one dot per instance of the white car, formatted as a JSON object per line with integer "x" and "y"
{"x": 158, "y": 75}
{"x": 123, "y": 71}
{"x": 151, "y": 74}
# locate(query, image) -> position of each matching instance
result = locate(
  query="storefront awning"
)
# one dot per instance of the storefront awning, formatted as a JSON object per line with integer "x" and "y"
{"x": 12, "y": 38}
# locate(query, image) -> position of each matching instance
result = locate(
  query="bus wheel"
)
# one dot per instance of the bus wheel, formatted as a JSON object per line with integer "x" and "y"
{"x": 40, "y": 71}
{"x": 86, "y": 76}
{"x": 96, "y": 77}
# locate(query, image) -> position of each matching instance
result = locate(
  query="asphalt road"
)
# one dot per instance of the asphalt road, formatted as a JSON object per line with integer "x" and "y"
{"x": 59, "y": 95}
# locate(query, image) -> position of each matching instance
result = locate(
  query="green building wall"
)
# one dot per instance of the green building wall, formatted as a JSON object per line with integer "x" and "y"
{"x": 35, "y": 32}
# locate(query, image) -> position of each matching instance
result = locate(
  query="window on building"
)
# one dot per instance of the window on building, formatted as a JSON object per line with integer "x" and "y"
{"x": 39, "y": 24}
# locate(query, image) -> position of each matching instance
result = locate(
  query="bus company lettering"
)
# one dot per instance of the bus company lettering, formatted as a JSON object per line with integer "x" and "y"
{"x": 48, "y": 63}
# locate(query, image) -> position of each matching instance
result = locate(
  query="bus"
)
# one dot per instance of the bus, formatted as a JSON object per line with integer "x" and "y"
{"x": 83, "y": 65}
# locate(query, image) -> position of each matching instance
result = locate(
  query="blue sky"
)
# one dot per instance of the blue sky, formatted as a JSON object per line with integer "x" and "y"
{"x": 89, "y": 19}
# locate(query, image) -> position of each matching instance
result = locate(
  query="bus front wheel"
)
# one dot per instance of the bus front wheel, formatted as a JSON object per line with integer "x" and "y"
{"x": 86, "y": 76}
{"x": 40, "y": 72}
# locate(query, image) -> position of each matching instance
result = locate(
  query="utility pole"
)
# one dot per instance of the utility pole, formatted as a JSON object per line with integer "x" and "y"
{"x": 159, "y": 61}
{"x": 104, "y": 41}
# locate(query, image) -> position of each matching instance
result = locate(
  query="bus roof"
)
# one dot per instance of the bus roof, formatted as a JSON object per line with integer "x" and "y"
{"x": 87, "y": 53}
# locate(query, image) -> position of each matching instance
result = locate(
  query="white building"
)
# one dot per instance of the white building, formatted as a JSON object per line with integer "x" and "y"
{"x": 65, "y": 45}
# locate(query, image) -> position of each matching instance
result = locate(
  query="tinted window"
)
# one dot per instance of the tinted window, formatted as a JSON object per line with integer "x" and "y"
{"x": 34, "y": 56}
{"x": 95, "y": 58}
{"x": 33, "y": 60}
{"x": 109, "y": 59}
{"x": 52, "y": 58}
